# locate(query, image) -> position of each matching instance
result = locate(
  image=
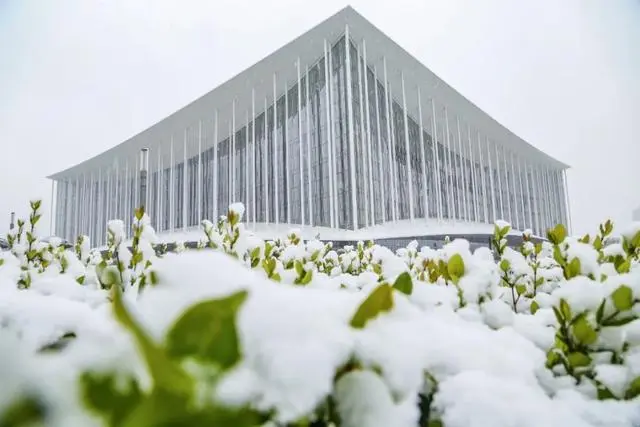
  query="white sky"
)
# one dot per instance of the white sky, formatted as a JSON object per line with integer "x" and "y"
{"x": 79, "y": 76}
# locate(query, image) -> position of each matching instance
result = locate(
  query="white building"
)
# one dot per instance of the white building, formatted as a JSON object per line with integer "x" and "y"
{"x": 340, "y": 129}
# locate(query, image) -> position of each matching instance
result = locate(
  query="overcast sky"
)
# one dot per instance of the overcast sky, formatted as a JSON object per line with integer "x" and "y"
{"x": 79, "y": 76}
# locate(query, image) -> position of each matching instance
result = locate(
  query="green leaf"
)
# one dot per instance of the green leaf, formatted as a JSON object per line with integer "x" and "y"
{"x": 559, "y": 316}
{"x": 560, "y": 233}
{"x": 380, "y": 300}
{"x": 404, "y": 283}
{"x": 306, "y": 279}
{"x": 26, "y": 411}
{"x": 619, "y": 322}
{"x": 505, "y": 265}
{"x": 207, "y": 332}
{"x": 573, "y": 268}
{"x": 109, "y": 397}
{"x": 534, "y": 307}
{"x": 521, "y": 289}
{"x": 557, "y": 256}
{"x": 624, "y": 266}
{"x": 164, "y": 373}
{"x": 553, "y": 359}
{"x": 634, "y": 389}
{"x": 299, "y": 268}
{"x": 255, "y": 253}
{"x": 622, "y": 298}
{"x": 578, "y": 359}
{"x": 583, "y": 331}
{"x": 565, "y": 309}
{"x": 600, "y": 312}
{"x": 59, "y": 344}
{"x": 455, "y": 267}
{"x": 605, "y": 394}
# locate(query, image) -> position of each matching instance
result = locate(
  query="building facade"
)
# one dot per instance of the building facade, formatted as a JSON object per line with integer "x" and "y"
{"x": 340, "y": 128}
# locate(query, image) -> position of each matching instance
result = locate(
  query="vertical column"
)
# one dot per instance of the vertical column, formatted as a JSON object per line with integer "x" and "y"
{"x": 545, "y": 193}
{"x": 436, "y": 157}
{"x": 158, "y": 182}
{"x": 332, "y": 154}
{"x": 525, "y": 223}
{"x": 233, "y": 197}
{"x": 285, "y": 139}
{"x": 246, "y": 169}
{"x": 556, "y": 192}
{"x": 265, "y": 155}
{"x": 300, "y": 150}
{"x": 567, "y": 201}
{"x": 81, "y": 205}
{"x": 215, "y": 167}
{"x": 474, "y": 180}
{"x": 556, "y": 196}
{"x": 76, "y": 221}
{"x": 327, "y": 93}
{"x": 547, "y": 201}
{"x": 465, "y": 214}
{"x": 483, "y": 182}
{"x": 541, "y": 205}
{"x": 185, "y": 205}
{"x": 327, "y": 80}
{"x": 127, "y": 209}
{"x": 363, "y": 146}
{"x": 492, "y": 185}
{"x": 512, "y": 220}
{"x": 550, "y": 197}
{"x": 536, "y": 200}
{"x": 53, "y": 208}
{"x": 383, "y": 199}
{"x": 117, "y": 195}
{"x": 352, "y": 151}
{"x": 563, "y": 195}
{"x": 388, "y": 106}
{"x": 393, "y": 167}
{"x": 308, "y": 117}
{"x": 450, "y": 196}
{"x": 100, "y": 215}
{"x": 230, "y": 169}
{"x": 253, "y": 163}
{"x": 275, "y": 152}
{"x": 499, "y": 181}
{"x": 107, "y": 199}
{"x": 423, "y": 158}
{"x": 523, "y": 218}
{"x": 90, "y": 205}
{"x": 200, "y": 179}
{"x": 368, "y": 133}
{"x": 528, "y": 196}
{"x": 407, "y": 150}
{"x": 171, "y": 190}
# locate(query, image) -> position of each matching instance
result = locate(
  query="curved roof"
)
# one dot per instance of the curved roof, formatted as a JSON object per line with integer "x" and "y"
{"x": 309, "y": 47}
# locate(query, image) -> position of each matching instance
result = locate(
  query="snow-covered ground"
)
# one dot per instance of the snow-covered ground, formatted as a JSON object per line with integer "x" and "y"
{"x": 396, "y": 229}
{"x": 462, "y": 347}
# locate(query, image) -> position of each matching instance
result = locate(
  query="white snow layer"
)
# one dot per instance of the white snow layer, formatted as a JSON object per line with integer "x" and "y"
{"x": 489, "y": 363}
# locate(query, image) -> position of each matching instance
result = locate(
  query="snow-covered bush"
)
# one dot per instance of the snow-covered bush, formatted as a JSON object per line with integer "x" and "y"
{"x": 243, "y": 332}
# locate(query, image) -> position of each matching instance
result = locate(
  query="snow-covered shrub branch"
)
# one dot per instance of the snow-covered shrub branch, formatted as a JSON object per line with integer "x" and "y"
{"x": 247, "y": 332}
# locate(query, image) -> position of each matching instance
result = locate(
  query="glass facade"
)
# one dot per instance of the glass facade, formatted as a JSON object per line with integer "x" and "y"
{"x": 335, "y": 147}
